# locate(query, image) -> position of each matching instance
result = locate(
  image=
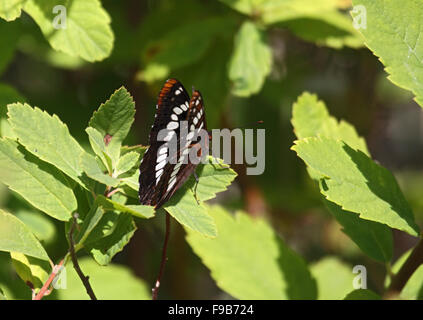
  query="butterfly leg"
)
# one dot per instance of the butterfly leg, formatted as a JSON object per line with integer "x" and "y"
{"x": 195, "y": 187}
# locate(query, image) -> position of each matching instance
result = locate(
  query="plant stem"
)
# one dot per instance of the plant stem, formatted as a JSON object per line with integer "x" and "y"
{"x": 84, "y": 279}
{"x": 408, "y": 268}
{"x": 45, "y": 289}
{"x": 164, "y": 258}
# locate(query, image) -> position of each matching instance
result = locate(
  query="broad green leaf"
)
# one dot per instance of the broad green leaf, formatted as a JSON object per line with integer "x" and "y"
{"x": 373, "y": 238}
{"x": 310, "y": 118}
{"x": 11, "y": 9}
{"x": 114, "y": 282}
{"x": 34, "y": 272}
{"x": 99, "y": 147}
{"x": 38, "y": 182}
{"x": 249, "y": 261}
{"x": 392, "y": 33}
{"x": 251, "y": 60}
{"x": 362, "y": 294}
{"x": 42, "y": 227}
{"x": 356, "y": 183}
{"x": 93, "y": 170}
{"x": 113, "y": 120}
{"x": 16, "y": 237}
{"x": 136, "y": 210}
{"x": 132, "y": 182}
{"x": 2, "y": 295}
{"x": 413, "y": 289}
{"x": 185, "y": 209}
{"x": 127, "y": 162}
{"x": 110, "y": 236}
{"x": 334, "y": 278}
{"x": 213, "y": 178}
{"x": 87, "y": 33}
{"x": 46, "y": 137}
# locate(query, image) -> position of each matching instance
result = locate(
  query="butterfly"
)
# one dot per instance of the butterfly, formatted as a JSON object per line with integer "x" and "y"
{"x": 164, "y": 169}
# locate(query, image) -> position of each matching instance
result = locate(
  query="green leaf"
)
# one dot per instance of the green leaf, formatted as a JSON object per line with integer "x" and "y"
{"x": 11, "y": 9}
{"x": 93, "y": 170}
{"x": 127, "y": 162}
{"x": 34, "y": 272}
{"x": 185, "y": 209}
{"x": 392, "y": 33}
{"x": 251, "y": 60}
{"x": 249, "y": 261}
{"x": 91, "y": 220}
{"x": 38, "y": 182}
{"x": 35, "y": 130}
{"x": 99, "y": 147}
{"x": 16, "y": 237}
{"x": 114, "y": 282}
{"x": 113, "y": 120}
{"x": 39, "y": 224}
{"x": 213, "y": 178}
{"x": 362, "y": 294}
{"x": 310, "y": 118}
{"x": 373, "y": 238}
{"x": 356, "y": 183}
{"x": 110, "y": 236}
{"x": 334, "y": 278}
{"x": 244, "y": 6}
{"x": 87, "y": 33}
{"x": 136, "y": 210}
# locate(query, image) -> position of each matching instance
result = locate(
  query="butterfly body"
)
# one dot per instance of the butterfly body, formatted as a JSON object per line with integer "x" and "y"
{"x": 164, "y": 169}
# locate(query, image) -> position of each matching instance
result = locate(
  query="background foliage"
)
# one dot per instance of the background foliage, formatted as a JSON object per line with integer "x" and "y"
{"x": 334, "y": 194}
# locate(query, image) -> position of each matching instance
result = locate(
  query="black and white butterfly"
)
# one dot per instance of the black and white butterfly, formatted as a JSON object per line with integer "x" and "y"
{"x": 163, "y": 169}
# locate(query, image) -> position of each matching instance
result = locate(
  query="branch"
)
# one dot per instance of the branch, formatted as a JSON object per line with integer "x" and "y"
{"x": 155, "y": 290}
{"x": 45, "y": 289}
{"x": 78, "y": 270}
{"x": 408, "y": 268}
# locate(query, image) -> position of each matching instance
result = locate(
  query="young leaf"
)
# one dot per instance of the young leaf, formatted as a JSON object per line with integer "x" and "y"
{"x": 92, "y": 169}
{"x": 213, "y": 178}
{"x": 249, "y": 261}
{"x": 334, "y": 278}
{"x": 113, "y": 120}
{"x": 127, "y": 162}
{"x": 38, "y": 182}
{"x": 362, "y": 294}
{"x": 185, "y": 209}
{"x": 87, "y": 33}
{"x": 110, "y": 236}
{"x": 136, "y": 210}
{"x": 7, "y": 95}
{"x": 356, "y": 183}
{"x": 112, "y": 283}
{"x": 11, "y": 9}
{"x": 99, "y": 147}
{"x": 34, "y": 272}
{"x": 392, "y": 32}
{"x": 251, "y": 60}
{"x": 46, "y": 137}
{"x": 16, "y": 237}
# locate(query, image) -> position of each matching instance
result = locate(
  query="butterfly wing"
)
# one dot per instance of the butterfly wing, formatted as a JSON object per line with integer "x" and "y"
{"x": 178, "y": 171}
{"x": 171, "y": 108}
